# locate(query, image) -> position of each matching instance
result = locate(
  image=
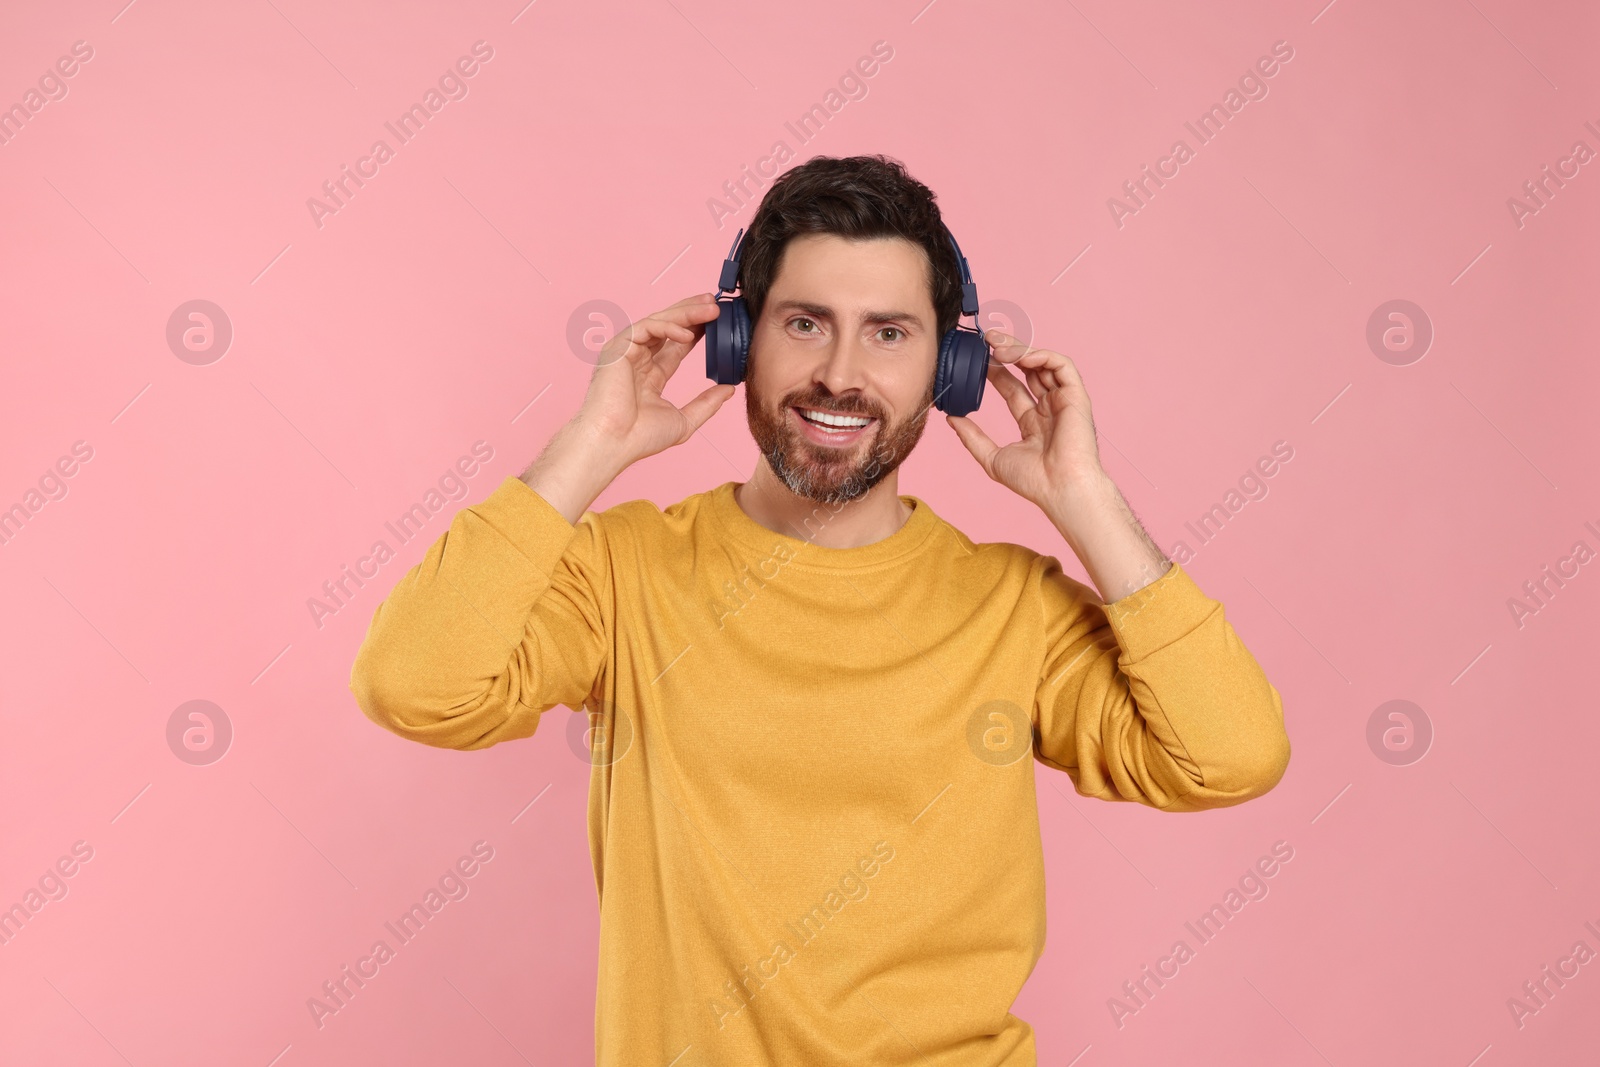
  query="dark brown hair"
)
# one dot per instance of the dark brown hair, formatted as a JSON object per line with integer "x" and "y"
{"x": 857, "y": 198}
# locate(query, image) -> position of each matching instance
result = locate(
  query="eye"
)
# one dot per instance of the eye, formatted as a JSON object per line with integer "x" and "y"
{"x": 893, "y": 329}
{"x": 802, "y": 319}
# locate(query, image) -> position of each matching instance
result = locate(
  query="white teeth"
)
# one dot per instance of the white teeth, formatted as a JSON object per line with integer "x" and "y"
{"x": 848, "y": 422}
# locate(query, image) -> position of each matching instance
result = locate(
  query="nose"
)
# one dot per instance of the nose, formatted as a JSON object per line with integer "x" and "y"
{"x": 844, "y": 368}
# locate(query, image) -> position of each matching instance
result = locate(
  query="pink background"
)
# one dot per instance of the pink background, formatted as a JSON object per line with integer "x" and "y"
{"x": 371, "y": 352}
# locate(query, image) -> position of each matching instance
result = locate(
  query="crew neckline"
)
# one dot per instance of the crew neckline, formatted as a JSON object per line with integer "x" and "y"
{"x": 912, "y": 535}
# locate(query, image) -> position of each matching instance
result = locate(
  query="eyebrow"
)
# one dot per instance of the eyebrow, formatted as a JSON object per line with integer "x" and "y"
{"x": 823, "y": 312}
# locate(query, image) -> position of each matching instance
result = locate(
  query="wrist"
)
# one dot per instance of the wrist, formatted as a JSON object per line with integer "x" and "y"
{"x": 1085, "y": 503}
{"x": 574, "y": 468}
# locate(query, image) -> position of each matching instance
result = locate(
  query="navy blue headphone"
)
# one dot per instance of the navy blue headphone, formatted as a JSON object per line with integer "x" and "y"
{"x": 963, "y": 354}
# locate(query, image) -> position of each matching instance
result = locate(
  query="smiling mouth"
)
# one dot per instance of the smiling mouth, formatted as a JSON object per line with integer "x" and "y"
{"x": 832, "y": 426}
{"x": 834, "y": 419}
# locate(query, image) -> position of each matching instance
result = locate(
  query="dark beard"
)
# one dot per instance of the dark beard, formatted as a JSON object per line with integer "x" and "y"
{"x": 831, "y": 476}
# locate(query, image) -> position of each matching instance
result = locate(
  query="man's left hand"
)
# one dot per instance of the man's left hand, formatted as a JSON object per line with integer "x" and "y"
{"x": 1057, "y": 458}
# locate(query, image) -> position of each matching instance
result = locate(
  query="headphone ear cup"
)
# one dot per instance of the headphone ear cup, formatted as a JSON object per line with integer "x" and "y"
{"x": 963, "y": 371}
{"x": 728, "y": 341}
{"x": 941, "y": 374}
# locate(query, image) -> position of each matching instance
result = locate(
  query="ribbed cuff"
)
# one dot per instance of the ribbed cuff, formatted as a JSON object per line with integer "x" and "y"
{"x": 529, "y": 522}
{"x": 1164, "y": 611}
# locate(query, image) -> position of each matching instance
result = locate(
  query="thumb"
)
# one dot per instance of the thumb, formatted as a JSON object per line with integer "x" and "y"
{"x": 702, "y": 407}
{"x": 977, "y": 442}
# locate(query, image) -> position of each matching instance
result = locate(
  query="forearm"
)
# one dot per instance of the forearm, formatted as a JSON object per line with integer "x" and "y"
{"x": 574, "y": 468}
{"x": 1108, "y": 539}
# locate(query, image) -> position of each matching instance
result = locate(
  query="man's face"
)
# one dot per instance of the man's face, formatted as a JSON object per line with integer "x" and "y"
{"x": 847, "y": 330}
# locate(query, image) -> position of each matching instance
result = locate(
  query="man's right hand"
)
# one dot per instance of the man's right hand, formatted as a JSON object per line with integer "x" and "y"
{"x": 624, "y": 405}
{"x": 623, "y": 417}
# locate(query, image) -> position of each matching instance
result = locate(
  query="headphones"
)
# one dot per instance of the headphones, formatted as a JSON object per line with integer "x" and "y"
{"x": 963, "y": 353}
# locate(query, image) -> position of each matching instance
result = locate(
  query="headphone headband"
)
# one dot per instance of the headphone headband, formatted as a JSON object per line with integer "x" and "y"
{"x": 729, "y": 279}
{"x": 969, "y": 291}
{"x": 730, "y": 266}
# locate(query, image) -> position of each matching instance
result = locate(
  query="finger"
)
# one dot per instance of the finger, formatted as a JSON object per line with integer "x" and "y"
{"x": 1013, "y": 391}
{"x": 681, "y": 342}
{"x": 977, "y": 442}
{"x": 1057, "y": 371}
{"x": 1040, "y": 390}
{"x": 636, "y": 344}
{"x": 1009, "y": 349}
{"x": 691, "y": 310}
{"x": 690, "y": 315}
{"x": 1007, "y": 346}
{"x": 702, "y": 407}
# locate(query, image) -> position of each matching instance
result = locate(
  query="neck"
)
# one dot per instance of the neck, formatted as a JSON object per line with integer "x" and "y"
{"x": 863, "y": 521}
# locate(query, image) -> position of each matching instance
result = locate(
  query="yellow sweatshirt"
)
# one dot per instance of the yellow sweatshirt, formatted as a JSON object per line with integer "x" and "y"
{"x": 812, "y": 814}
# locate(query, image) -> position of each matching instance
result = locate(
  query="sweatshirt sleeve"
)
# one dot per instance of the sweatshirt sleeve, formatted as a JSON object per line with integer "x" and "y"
{"x": 1153, "y": 698}
{"x": 508, "y": 615}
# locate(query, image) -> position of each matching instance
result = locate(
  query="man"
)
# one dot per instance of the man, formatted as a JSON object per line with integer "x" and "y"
{"x": 811, "y": 811}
